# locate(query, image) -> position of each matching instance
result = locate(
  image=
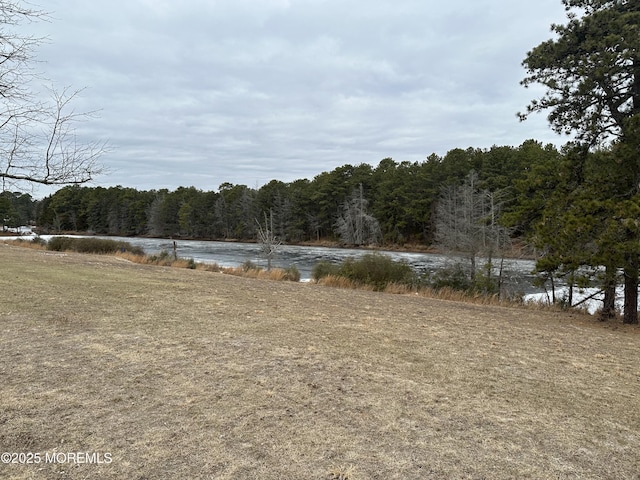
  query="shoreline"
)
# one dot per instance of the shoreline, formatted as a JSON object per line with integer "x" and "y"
{"x": 517, "y": 252}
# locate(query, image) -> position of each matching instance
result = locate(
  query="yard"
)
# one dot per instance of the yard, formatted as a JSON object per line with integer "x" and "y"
{"x": 117, "y": 370}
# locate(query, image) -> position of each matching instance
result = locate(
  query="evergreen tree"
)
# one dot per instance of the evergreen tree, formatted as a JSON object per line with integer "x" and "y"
{"x": 591, "y": 72}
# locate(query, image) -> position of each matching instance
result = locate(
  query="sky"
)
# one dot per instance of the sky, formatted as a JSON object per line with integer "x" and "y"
{"x": 202, "y": 92}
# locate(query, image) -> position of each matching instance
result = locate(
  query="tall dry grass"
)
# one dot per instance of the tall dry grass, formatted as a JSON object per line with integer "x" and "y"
{"x": 400, "y": 288}
{"x": 208, "y": 267}
{"x": 448, "y": 293}
{"x": 338, "y": 281}
{"x": 34, "y": 245}
{"x": 276, "y": 274}
{"x": 168, "y": 261}
{"x": 132, "y": 257}
{"x": 445, "y": 293}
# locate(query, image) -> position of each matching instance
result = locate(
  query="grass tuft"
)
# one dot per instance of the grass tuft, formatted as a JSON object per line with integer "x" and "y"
{"x": 276, "y": 274}
{"x": 338, "y": 281}
{"x": 342, "y": 473}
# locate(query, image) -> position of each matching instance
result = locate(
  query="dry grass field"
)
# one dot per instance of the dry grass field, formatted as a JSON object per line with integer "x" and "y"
{"x": 186, "y": 374}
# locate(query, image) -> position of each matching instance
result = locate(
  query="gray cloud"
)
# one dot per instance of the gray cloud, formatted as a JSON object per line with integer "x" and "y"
{"x": 202, "y": 92}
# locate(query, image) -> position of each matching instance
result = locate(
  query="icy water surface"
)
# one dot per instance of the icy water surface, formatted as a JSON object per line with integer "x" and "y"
{"x": 232, "y": 254}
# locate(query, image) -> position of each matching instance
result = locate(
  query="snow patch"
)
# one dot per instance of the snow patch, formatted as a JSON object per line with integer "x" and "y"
{"x": 589, "y": 299}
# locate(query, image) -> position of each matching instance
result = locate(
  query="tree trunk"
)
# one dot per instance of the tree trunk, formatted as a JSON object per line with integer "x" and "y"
{"x": 489, "y": 271}
{"x": 472, "y": 275}
{"x": 500, "y": 293}
{"x": 609, "y": 302}
{"x": 570, "y": 299}
{"x": 631, "y": 292}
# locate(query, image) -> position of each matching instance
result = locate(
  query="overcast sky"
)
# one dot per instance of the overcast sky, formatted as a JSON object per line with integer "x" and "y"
{"x": 201, "y": 92}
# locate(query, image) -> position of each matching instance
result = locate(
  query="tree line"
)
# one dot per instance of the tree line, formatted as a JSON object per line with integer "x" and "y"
{"x": 400, "y": 196}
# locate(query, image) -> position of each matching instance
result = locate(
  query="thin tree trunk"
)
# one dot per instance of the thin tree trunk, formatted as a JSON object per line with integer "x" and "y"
{"x": 570, "y": 299}
{"x": 609, "y": 302}
{"x": 631, "y": 293}
{"x": 489, "y": 271}
{"x": 500, "y": 295}
{"x": 473, "y": 269}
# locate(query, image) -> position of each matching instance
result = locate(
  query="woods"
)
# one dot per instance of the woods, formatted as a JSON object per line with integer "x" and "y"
{"x": 400, "y": 196}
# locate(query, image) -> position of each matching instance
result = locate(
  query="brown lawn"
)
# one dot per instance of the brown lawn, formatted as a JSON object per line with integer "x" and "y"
{"x": 185, "y": 374}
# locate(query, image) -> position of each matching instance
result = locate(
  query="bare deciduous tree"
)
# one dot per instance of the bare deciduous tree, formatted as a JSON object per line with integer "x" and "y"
{"x": 38, "y": 142}
{"x": 467, "y": 222}
{"x": 269, "y": 243}
{"x": 355, "y": 225}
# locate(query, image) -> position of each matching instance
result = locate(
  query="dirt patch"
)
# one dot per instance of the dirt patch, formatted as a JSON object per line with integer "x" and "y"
{"x": 190, "y": 374}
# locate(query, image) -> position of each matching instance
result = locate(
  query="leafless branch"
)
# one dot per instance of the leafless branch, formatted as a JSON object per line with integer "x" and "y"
{"x": 38, "y": 140}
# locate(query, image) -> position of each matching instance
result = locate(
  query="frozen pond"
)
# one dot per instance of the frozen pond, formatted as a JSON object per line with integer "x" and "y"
{"x": 233, "y": 254}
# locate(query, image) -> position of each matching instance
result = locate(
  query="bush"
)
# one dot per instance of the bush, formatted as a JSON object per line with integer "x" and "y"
{"x": 324, "y": 269}
{"x": 373, "y": 269}
{"x": 292, "y": 273}
{"x": 59, "y": 244}
{"x": 163, "y": 259}
{"x": 378, "y": 271}
{"x": 453, "y": 277}
{"x": 249, "y": 265}
{"x": 91, "y": 245}
{"x": 37, "y": 240}
{"x": 484, "y": 283}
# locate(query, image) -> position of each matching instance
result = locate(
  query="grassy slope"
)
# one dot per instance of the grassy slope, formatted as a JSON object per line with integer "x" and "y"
{"x": 190, "y": 374}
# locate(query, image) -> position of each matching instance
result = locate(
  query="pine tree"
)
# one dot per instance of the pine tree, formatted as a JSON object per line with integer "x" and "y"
{"x": 591, "y": 72}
